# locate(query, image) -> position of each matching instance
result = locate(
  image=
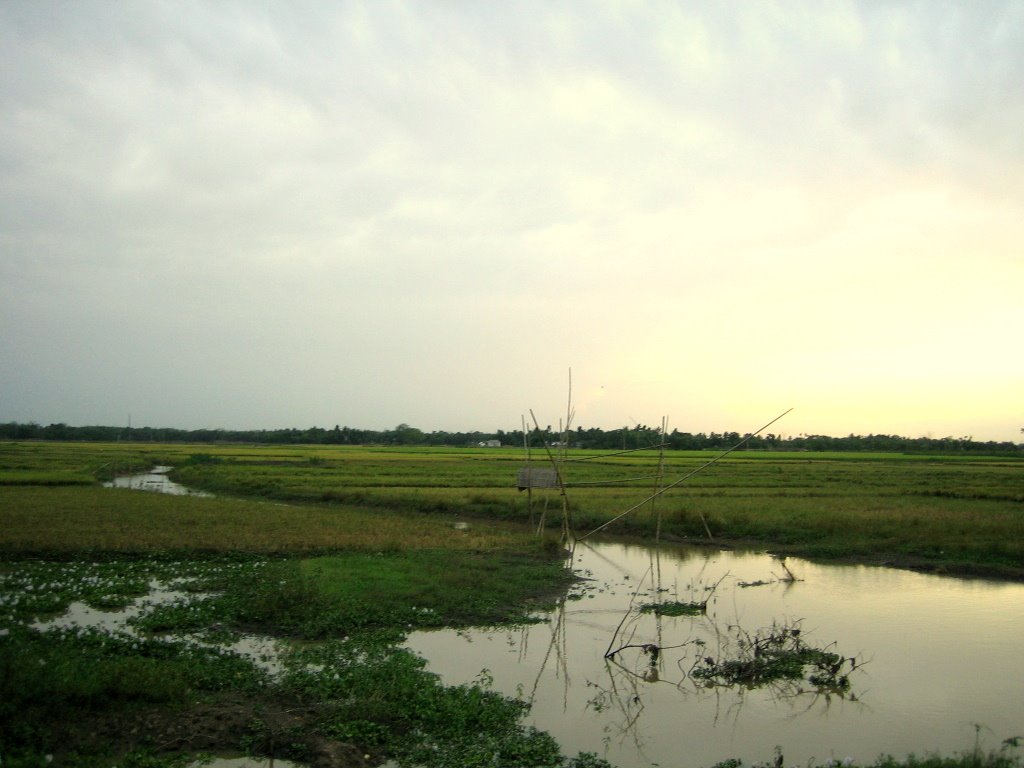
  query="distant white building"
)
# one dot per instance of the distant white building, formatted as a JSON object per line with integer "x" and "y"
{"x": 490, "y": 444}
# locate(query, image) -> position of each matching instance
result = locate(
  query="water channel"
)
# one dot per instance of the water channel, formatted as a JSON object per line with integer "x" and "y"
{"x": 937, "y": 660}
{"x": 155, "y": 480}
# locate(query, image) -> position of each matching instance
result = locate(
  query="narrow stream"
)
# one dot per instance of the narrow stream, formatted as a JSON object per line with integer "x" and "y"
{"x": 935, "y": 657}
{"x": 155, "y": 480}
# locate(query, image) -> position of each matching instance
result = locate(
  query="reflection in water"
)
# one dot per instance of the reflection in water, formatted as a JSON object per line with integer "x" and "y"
{"x": 264, "y": 652}
{"x": 917, "y": 661}
{"x": 155, "y": 480}
{"x": 81, "y": 615}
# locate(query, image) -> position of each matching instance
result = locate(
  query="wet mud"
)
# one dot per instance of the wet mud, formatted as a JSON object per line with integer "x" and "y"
{"x": 273, "y": 728}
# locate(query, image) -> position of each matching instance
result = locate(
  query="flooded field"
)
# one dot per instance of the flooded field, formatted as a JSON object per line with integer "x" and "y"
{"x": 928, "y": 660}
{"x": 263, "y": 652}
{"x": 658, "y": 656}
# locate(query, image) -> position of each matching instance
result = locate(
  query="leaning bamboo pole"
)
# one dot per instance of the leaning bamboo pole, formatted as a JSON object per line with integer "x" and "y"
{"x": 687, "y": 476}
{"x": 660, "y": 477}
{"x": 529, "y": 486}
{"x": 566, "y": 521}
{"x": 569, "y": 416}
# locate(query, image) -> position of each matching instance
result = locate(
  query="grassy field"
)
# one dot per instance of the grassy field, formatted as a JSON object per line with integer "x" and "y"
{"x": 46, "y": 519}
{"x": 341, "y": 582}
{"x": 344, "y": 549}
{"x": 957, "y": 513}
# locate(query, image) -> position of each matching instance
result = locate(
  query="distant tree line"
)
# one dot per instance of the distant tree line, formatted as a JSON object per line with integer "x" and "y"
{"x": 626, "y": 438}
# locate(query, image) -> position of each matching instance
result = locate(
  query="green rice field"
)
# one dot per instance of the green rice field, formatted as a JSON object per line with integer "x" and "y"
{"x": 958, "y": 513}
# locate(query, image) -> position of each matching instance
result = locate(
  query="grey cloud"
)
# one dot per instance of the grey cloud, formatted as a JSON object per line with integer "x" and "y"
{"x": 392, "y": 185}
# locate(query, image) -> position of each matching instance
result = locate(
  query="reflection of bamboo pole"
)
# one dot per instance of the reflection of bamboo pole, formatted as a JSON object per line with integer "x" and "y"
{"x": 657, "y": 593}
{"x": 558, "y": 645}
{"x": 610, "y": 651}
{"x": 625, "y": 703}
{"x": 688, "y": 475}
{"x": 563, "y": 657}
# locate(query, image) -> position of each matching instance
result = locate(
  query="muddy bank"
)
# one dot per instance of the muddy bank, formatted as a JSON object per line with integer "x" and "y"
{"x": 228, "y": 725}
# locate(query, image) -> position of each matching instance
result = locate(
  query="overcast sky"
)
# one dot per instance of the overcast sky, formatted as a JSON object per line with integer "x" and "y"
{"x": 262, "y": 215}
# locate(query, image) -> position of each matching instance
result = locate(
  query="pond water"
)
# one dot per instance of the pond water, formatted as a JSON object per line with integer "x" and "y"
{"x": 935, "y": 658}
{"x": 155, "y": 480}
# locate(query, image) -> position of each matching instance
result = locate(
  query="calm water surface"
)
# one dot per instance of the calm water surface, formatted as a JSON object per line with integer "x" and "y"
{"x": 936, "y": 656}
{"x": 155, "y": 480}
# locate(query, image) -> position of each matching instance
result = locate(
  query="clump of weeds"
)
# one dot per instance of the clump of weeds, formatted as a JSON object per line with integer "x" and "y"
{"x": 683, "y": 608}
{"x": 674, "y": 608}
{"x": 778, "y": 653}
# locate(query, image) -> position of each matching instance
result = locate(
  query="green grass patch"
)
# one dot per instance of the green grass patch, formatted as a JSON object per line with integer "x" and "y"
{"x": 41, "y": 477}
{"x": 48, "y": 520}
{"x": 348, "y": 593}
{"x": 674, "y": 608}
{"x": 108, "y": 697}
{"x": 440, "y": 588}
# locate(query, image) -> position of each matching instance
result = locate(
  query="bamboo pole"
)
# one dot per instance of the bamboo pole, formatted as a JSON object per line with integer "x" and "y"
{"x": 687, "y": 476}
{"x": 619, "y": 453}
{"x": 543, "y": 516}
{"x": 566, "y": 523}
{"x": 569, "y": 415}
{"x": 529, "y": 486}
{"x": 660, "y": 476}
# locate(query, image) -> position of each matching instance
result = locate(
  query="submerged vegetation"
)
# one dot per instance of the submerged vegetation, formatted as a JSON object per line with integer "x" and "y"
{"x": 777, "y": 653}
{"x": 337, "y": 552}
